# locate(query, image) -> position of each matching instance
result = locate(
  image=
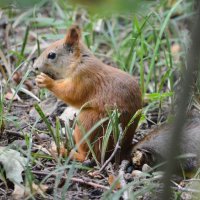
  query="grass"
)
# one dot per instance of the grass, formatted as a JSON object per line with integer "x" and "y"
{"x": 139, "y": 43}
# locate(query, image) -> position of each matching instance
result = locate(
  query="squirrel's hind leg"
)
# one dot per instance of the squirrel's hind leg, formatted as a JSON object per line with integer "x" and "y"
{"x": 86, "y": 121}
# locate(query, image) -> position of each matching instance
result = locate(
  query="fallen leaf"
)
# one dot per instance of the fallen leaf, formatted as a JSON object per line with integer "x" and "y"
{"x": 13, "y": 164}
{"x": 114, "y": 180}
{"x": 138, "y": 173}
{"x": 21, "y": 192}
{"x": 36, "y": 189}
{"x": 96, "y": 174}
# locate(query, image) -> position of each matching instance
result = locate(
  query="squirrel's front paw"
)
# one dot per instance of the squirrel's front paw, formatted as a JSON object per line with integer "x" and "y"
{"x": 44, "y": 81}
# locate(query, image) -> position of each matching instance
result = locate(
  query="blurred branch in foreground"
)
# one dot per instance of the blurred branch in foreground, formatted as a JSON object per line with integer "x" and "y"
{"x": 100, "y": 7}
{"x": 189, "y": 79}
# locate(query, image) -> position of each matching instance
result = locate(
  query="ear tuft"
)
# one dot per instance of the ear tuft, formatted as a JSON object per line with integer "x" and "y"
{"x": 73, "y": 35}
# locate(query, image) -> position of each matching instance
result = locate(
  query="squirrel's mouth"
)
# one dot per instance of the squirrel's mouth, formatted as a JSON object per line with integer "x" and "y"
{"x": 51, "y": 75}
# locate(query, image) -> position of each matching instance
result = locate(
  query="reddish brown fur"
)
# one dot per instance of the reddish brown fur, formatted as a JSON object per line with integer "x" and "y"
{"x": 97, "y": 86}
{"x": 73, "y": 35}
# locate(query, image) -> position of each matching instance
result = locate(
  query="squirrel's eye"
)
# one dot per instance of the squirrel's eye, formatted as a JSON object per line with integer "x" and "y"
{"x": 51, "y": 55}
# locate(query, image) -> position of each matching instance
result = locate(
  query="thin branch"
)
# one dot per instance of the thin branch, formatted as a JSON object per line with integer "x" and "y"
{"x": 117, "y": 147}
{"x": 178, "y": 187}
{"x": 122, "y": 169}
{"x": 111, "y": 157}
{"x": 14, "y": 133}
{"x": 189, "y": 79}
{"x": 77, "y": 180}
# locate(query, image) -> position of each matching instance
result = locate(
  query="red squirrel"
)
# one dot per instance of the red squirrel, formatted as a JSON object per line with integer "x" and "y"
{"x": 73, "y": 74}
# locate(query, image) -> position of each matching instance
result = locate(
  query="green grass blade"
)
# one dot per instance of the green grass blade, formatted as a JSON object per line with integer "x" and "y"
{"x": 158, "y": 42}
{"x": 105, "y": 141}
{"x": 46, "y": 121}
{"x": 25, "y": 41}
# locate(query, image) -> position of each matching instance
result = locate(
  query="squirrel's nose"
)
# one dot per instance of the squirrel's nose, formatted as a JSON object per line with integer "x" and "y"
{"x": 35, "y": 65}
{"x": 33, "y": 59}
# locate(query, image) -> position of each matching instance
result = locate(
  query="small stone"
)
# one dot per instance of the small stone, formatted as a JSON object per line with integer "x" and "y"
{"x": 129, "y": 169}
{"x": 146, "y": 168}
{"x": 44, "y": 136}
{"x": 128, "y": 177}
{"x": 89, "y": 163}
{"x": 19, "y": 144}
{"x": 137, "y": 173}
{"x": 186, "y": 196}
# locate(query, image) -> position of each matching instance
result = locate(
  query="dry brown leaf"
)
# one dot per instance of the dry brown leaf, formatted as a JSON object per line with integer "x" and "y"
{"x": 96, "y": 174}
{"x": 36, "y": 189}
{"x": 138, "y": 173}
{"x": 21, "y": 192}
{"x": 113, "y": 180}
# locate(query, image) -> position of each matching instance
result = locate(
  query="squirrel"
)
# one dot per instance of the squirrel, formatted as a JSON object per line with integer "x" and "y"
{"x": 153, "y": 148}
{"x": 73, "y": 74}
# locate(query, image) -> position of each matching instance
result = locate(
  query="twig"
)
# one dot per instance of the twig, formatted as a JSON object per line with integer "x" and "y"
{"x": 21, "y": 105}
{"x": 189, "y": 79}
{"x": 117, "y": 147}
{"x": 77, "y": 180}
{"x": 95, "y": 185}
{"x": 15, "y": 133}
{"x": 186, "y": 189}
{"x": 189, "y": 180}
{"x": 122, "y": 169}
{"x": 178, "y": 187}
{"x": 111, "y": 157}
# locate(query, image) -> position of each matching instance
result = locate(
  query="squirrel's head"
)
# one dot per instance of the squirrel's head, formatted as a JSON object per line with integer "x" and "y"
{"x": 55, "y": 60}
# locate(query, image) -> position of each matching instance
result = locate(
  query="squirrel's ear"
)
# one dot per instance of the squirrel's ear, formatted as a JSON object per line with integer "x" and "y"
{"x": 73, "y": 35}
